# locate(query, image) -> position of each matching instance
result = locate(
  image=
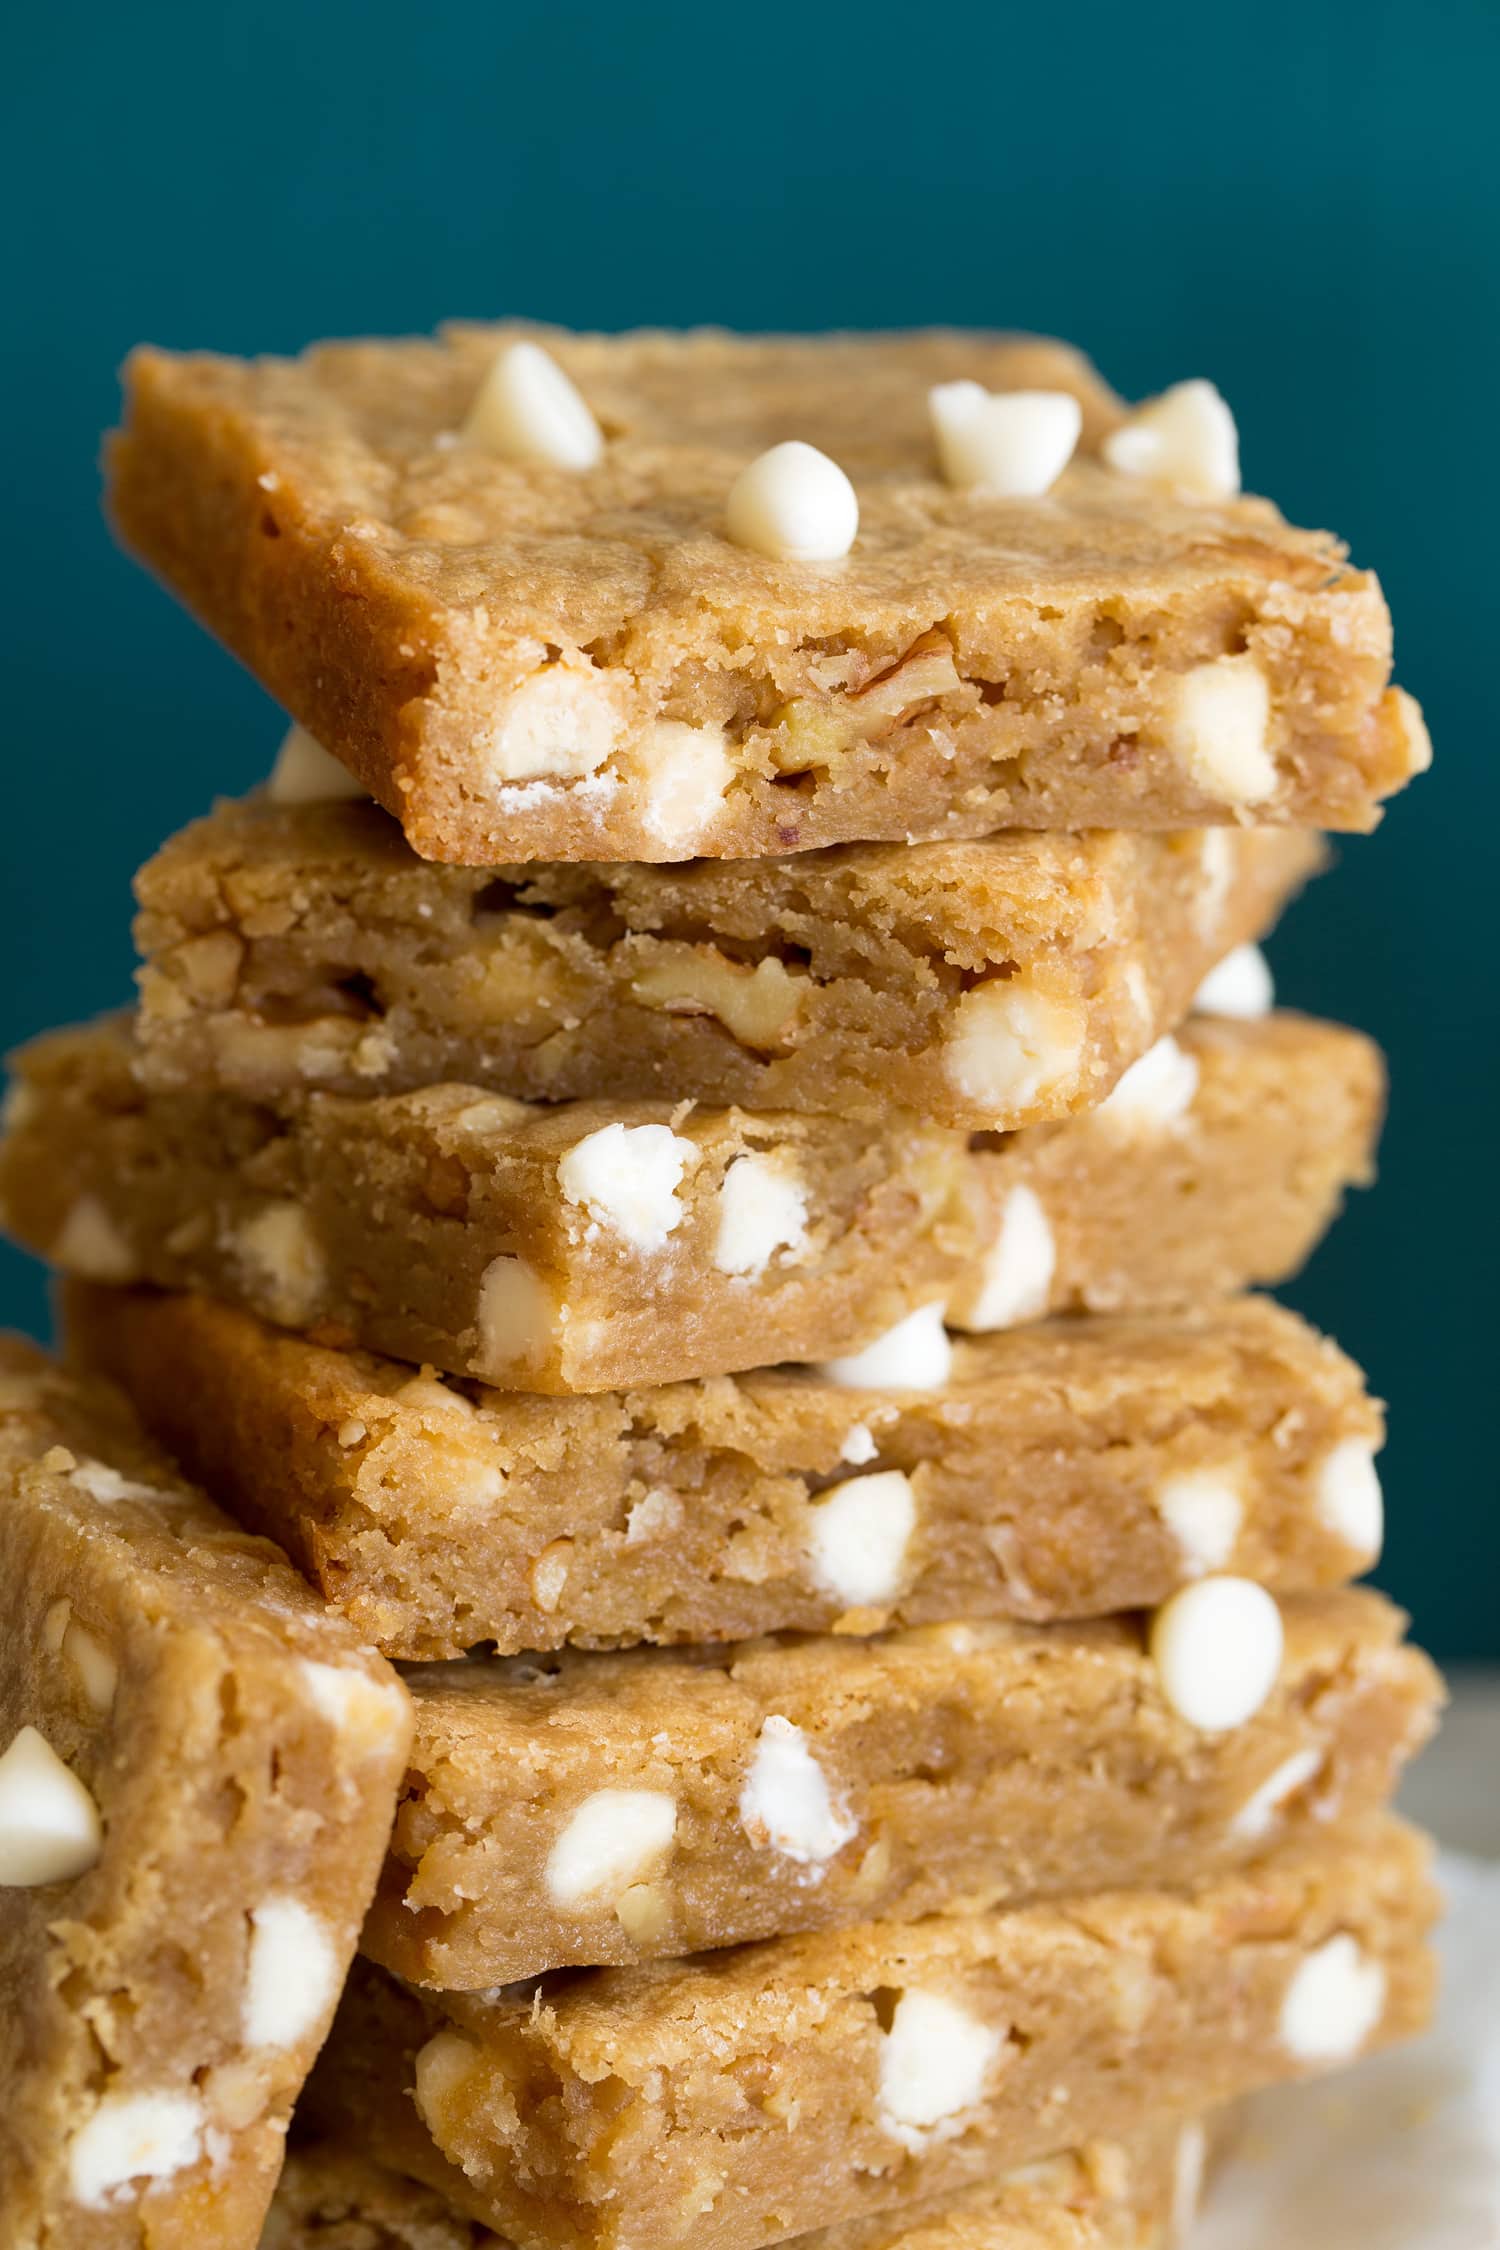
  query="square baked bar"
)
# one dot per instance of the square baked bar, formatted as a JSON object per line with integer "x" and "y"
{"x": 592, "y": 1246}
{"x": 198, "y": 1773}
{"x": 726, "y": 2101}
{"x": 525, "y": 660}
{"x": 985, "y": 985}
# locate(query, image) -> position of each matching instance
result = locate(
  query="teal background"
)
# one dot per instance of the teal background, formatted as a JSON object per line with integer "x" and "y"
{"x": 1298, "y": 200}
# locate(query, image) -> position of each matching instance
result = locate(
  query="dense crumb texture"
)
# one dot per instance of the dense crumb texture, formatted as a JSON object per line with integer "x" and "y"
{"x": 983, "y": 985}
{"x": 166, "y": 1990}
{"x": 730, "y": 2100}
{"x": 1111, "y": 2195}
{"x": 1066, "y": 1469}
{"x": 524, "y": 661}
{"x": 604, "y": 1809}
{"x": 597, "y": 1245}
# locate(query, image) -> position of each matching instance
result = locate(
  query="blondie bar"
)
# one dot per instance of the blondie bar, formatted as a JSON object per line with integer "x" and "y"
{"x": 985, "y": 985}
{"x": 198, "y": 1778}
{"x": 1134, "y": 2195}
{"x": 730, "y": 2100}
{"x": 586, "y": 656}
{"x": 592, "y": 1808}
{"x": 592, "y": 1246}
{"x": 1065, "y": 1469}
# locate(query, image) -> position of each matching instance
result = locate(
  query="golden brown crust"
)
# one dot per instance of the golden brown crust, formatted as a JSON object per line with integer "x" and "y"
{"x": 438, "y": 1516}
{"x": 985, "y": 985}
{"x": 244, "y": 1752}
{"x": 815, "y": 1783}
{"x": 380, "y": 1221}
{"x": 972, "y": 665}
{"x": 659, "y": 2105}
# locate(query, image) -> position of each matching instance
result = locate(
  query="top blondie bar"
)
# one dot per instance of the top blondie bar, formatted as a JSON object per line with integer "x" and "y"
{"x": 552, "y": 596}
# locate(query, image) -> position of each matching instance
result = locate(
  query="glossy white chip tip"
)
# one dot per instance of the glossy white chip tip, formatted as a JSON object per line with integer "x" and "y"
{"x": 627, "y": 1177}
{"x": 1010, "y": 1046}
{"x": 1186, "y": 438}
{"x": 794, "y": 505}
{"x": 859, "y": 1534}
{"x": 1334, "y": 2001}
{"x": 934, "y": 2061}
{"x": 528, "y": 409}
{"x": 1258, "y": 1814}
{"x": 307, "y": 774}
{"x": 50, "y": 1831}
{"x": 786, "y": 1802}
{"x": 612, "y": 1840}
{"x": 292, "y": 1976}
{"x": 915, "y": 1355}
{"x": 1240, "y": 986}
{"x": 1349, "y": 1499}
{"x": 1156, "y": 1092}
{"x": 762, "y": 1209}
{"x": 1217, "y": 1648}
{"x": 131, "y": 2140}
{"x": 1015, "y": 1279}
{"x": 1203, "y": 1509}
{"x": 1007, "y": 445}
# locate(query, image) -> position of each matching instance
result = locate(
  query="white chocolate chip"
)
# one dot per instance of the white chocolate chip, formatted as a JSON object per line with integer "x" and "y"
{"x": 1257, "y": 1815}
{"x": 1217, "y": 1650}
{"x": 92, "y": 1245}
{"x": 786, "y": 1802}
{"x": 558, "y": 725}
{"x": 628, "y": 1176}
{"x": 915, "y": 1355}
{"x": 1334, "y": 2001}
{"x": 1349, "y": 1499}
{"x": 859, "y": 1445}
{"x": 1240, "y": 986}
{"x": 762, "y": 1209}
{"x": 934, "y": 2061}
{"x": 1216, "y": 724}
{"x": 285, "y": 1264}
{"x": 687, "y": 771}
{"x": 513, "y": 1316}
{"x": 1015, "y": 1279}
{"x": 794, "y": 505}
{"x": 616, "y": 1837}
{"x": 442, "y": 2068}
{"x": 96, "y": 1671}
{"x": 292, "y": 1977}
{"x": 1216, "y": 872}
{"x": 859, "y": 1533}
{"x": 549, "y": 1575}
{"x": 528, "y": 409}
{"x": 1189, "y": 2164}
{"x": 104, "y": 1484}
{"x": 307, "y": 774}
{"x": 353, "y": 1702}
{"x": 1203, "y": 1509}
{"x": 133, "y": 2138}
{"x": 1155, "y": 1092}
{"x": 50, "y": 1831}
{"x": 1010, "y": 1046}
{"x": 1186, "y": 438}
{"x": 1008, "y": 445}
{"x": 653, "y": 1516}
{"x": 1414, "y": 728}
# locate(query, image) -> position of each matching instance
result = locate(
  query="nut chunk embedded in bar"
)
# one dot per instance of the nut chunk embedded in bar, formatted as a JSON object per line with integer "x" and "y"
{"x": 1067, "y": 1469}
{"x": 198, "y": 1771}
{"x": 536, "y": 590}
{"x": 1111, "y": 2195}
{"x": 727, "y": 2101}
{"x": 986, "y": 985}
{"x": 595, "y": 1808}
{"x": 591, "y": 1245}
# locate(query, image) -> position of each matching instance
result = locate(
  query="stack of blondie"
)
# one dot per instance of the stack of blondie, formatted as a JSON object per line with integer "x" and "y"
{"x": 707, "y": 1557}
